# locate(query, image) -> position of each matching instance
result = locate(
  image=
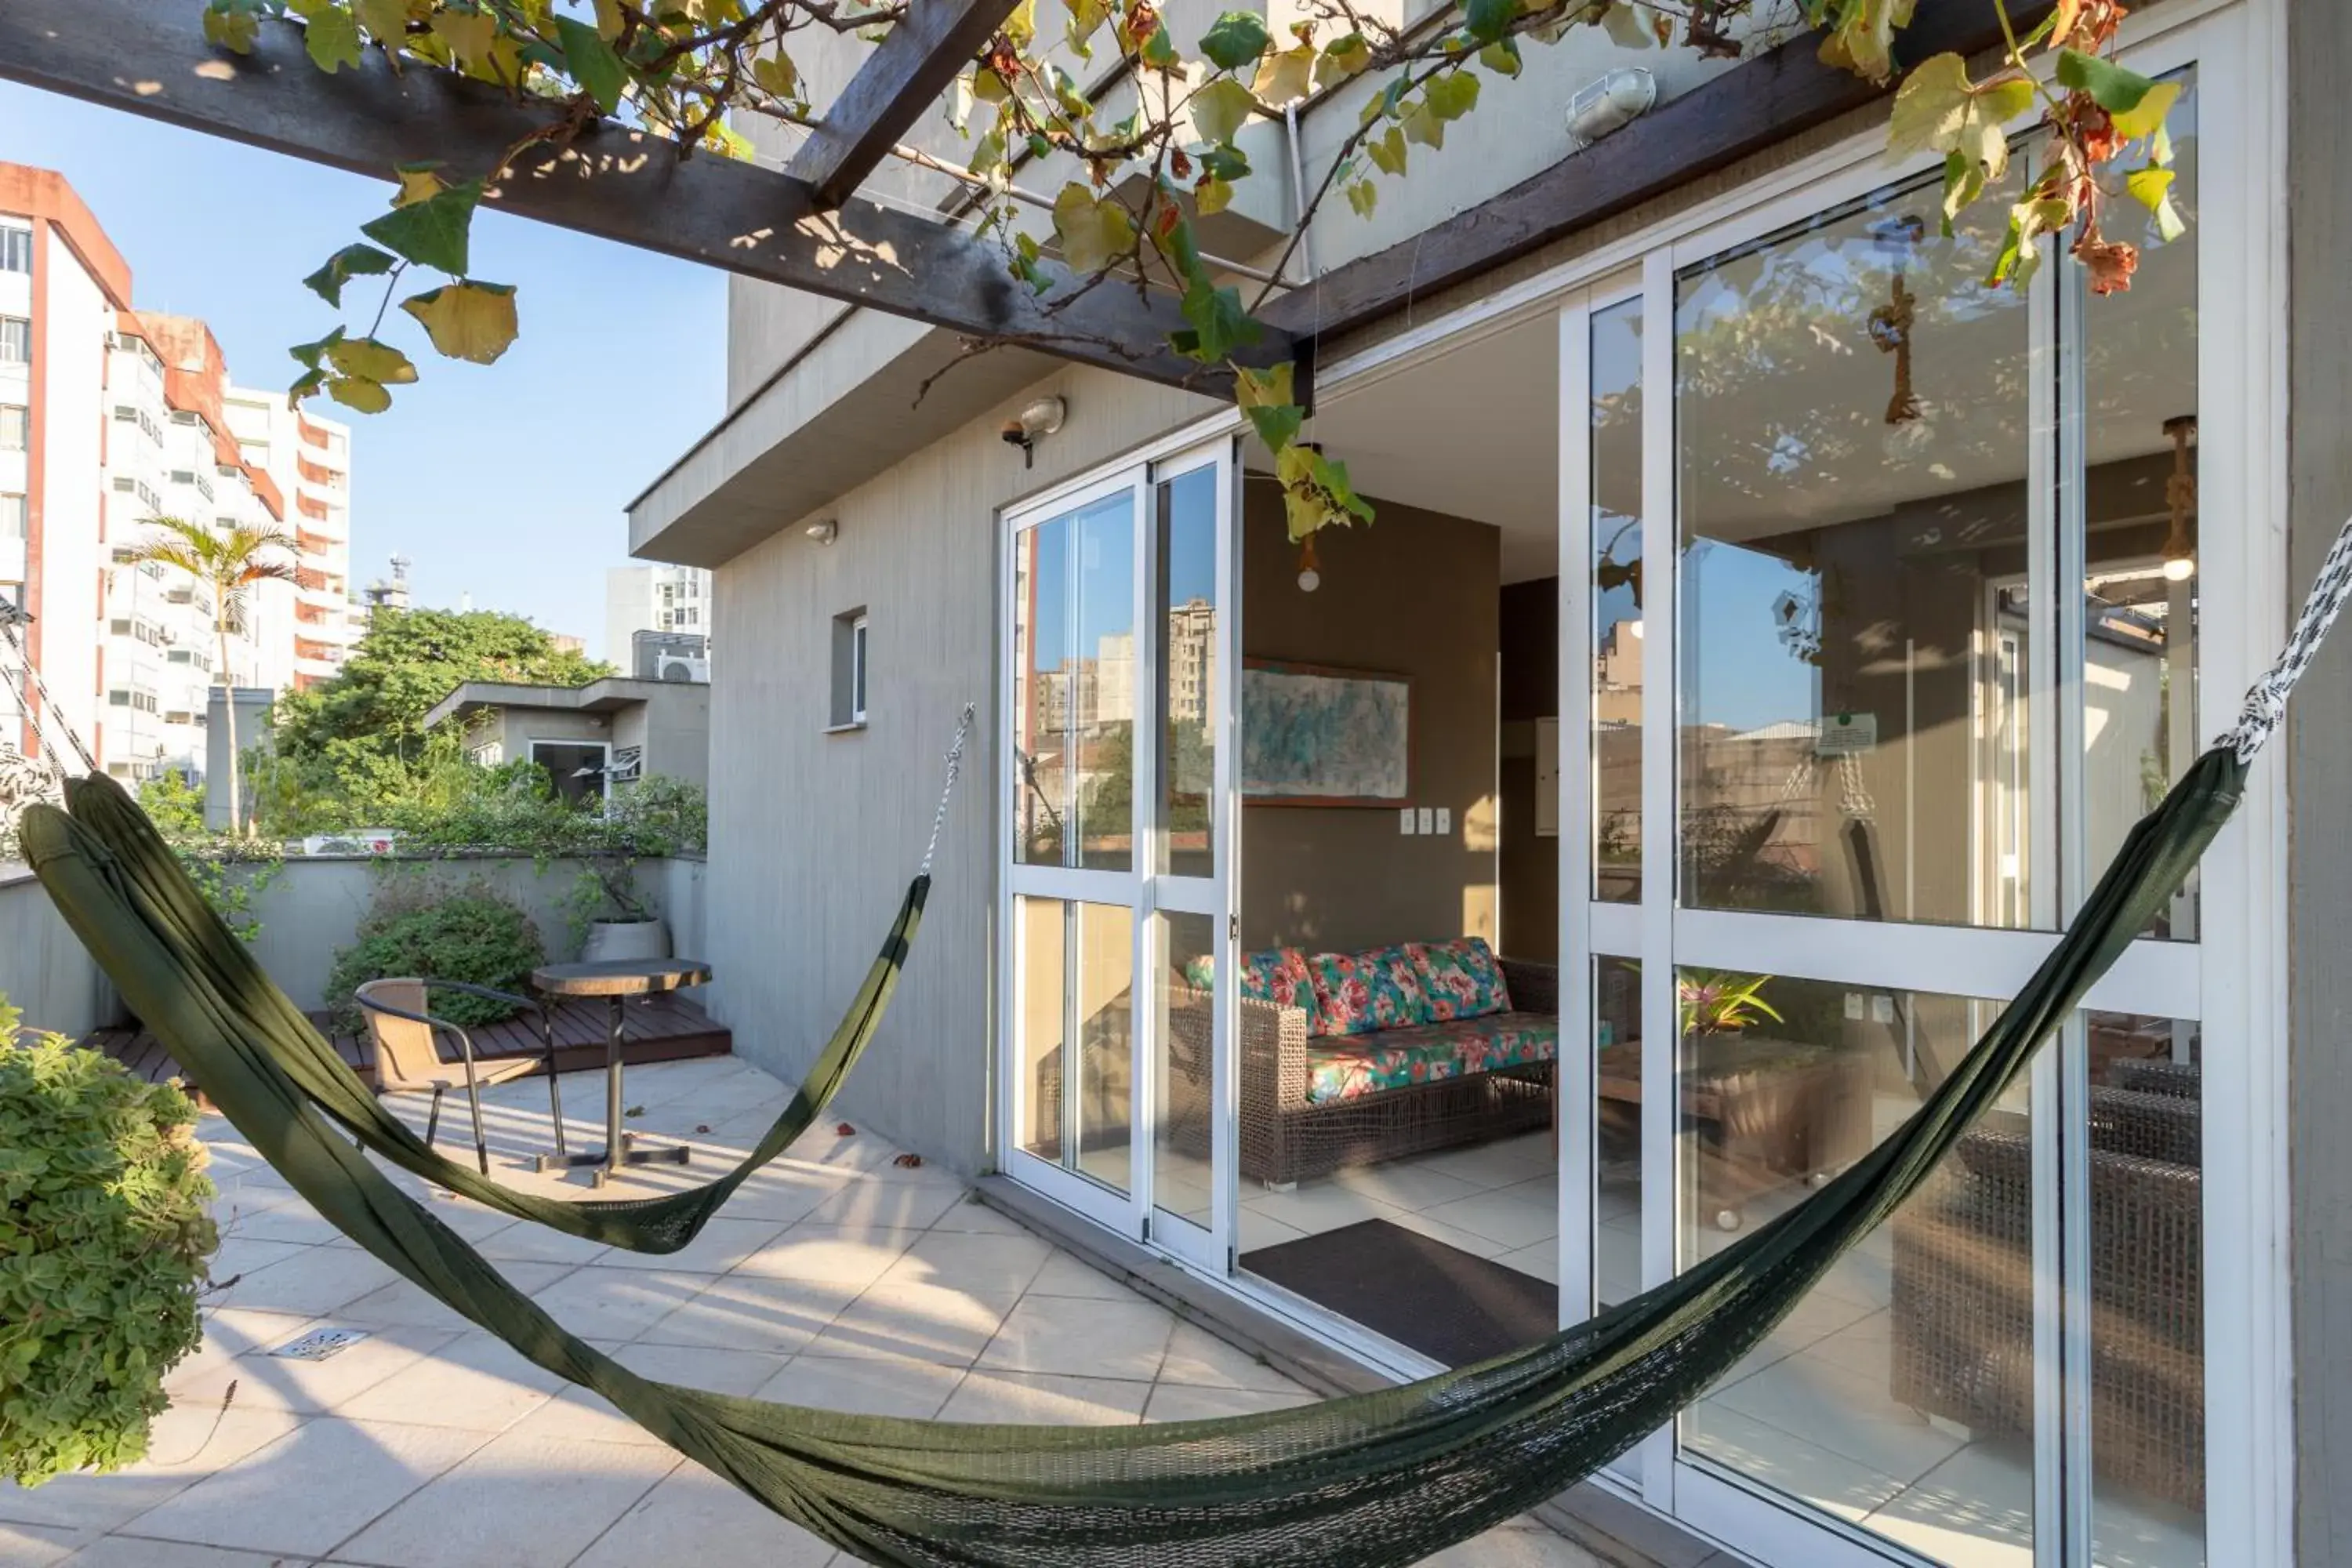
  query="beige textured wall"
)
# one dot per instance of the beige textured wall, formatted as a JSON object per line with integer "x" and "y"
{"x": 813, "y": 834}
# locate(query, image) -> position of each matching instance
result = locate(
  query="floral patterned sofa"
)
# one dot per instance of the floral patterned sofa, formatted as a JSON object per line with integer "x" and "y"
{"x": 1353, "y": 1058}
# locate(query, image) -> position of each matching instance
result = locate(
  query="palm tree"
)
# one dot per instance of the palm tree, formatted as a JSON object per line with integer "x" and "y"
{"x": 228, "y": 562}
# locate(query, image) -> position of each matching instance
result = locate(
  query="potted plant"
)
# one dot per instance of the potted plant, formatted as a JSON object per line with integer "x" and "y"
{"x": 610, "y": 916}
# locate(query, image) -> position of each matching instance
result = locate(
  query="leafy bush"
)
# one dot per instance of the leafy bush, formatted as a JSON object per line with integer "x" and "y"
{"x": 104, "y": 1231}
{"x": 421, "y": 927}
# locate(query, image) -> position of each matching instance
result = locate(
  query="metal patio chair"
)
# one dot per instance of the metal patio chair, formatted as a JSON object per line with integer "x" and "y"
{"x": 402, "y": 1027}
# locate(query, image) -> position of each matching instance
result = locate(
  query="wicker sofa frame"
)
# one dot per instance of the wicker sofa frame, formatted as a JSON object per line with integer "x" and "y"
{"x": 1962, "y": 1292}
{"x": 1284, "y": 1138}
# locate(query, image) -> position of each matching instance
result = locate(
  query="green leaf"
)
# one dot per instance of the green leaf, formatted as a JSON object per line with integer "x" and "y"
{"x": 1629, "y": 25}
{"x": 386, "y": 19}
{"x": 308, "y": 386}
{"x": 1939, "y": 108}
{"x": 237, "y": 31}
{"x": 593, "y": 63}
{"x": 366, "y": 359}
{"x": 1087, "y": 17}
{"x": 777, "y": 74}
{"x": 351, "y": 261}
{"x": 2152, "y": 188}
{"x": 1286, "y": 78}
{"x": 1489, "y": 19}
{"x": 1502, "y": 58}
{"x": 1453, "y": 95}
{"x": 359, "y": 392}
{"x": 1224, "y": 162}
{"x": 1343, "y": 57}
{"x": 2029, "y": 220}
{"x": 330, "y": 36}
{"x": 1388, "y": 151}
{"x": 2137, "y": 103}
{"x": 1212, "y": 196}
{"x": 472, "y": 322}
{"x": 1235, "y": 39}
{"x": 1364, "y": 197}
{"x": 1093, "y": 231}
{"x": 433, "y": 232}
{"x": 1219, "y": 323}
{"x": 1221, "y": 109}
{"x": 309, "y": 354}
{"x": 418, "y": 183}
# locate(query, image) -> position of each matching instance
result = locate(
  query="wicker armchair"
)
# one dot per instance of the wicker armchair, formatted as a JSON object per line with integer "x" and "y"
{"x": 1285, "y": 1139}
{"x": 1963, "y": 1285}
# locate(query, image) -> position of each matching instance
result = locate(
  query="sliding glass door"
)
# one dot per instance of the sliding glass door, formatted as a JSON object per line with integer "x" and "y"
{"x": 1886, "y": 611}
{"x": 1117, "y": 748}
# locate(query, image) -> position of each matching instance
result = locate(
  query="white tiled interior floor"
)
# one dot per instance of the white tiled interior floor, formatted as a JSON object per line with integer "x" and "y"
{"x": 835, "y": 1278}
{"x": 1809, "y": 1412}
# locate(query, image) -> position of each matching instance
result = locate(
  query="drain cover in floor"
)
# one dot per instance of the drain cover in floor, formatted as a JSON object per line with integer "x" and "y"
{"x": 321, "y": 1343}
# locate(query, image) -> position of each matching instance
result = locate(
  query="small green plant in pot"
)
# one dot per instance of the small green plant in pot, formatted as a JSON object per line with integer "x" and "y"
{"x": 424, "y": 928}
{"x": 105, "y": 1228}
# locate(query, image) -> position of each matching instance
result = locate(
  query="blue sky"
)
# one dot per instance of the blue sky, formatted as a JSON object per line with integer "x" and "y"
{"x": 506, "y": 482}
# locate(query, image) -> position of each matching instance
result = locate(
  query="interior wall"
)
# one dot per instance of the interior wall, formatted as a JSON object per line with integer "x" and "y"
{"x": 1529, "y": 873}
{"x": 1416, "y": 593}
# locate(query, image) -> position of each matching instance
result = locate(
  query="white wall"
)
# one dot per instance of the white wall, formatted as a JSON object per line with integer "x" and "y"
{"x": 72, "y": 355}
{"x": 44, "y": 970}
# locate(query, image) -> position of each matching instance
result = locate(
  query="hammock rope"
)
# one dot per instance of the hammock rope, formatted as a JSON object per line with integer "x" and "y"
{"x": 1366, "y": 1481}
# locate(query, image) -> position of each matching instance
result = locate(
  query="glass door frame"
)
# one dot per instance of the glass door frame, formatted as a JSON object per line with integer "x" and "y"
{"x": 2248, "y": 1408}
{"x": 1140, "y": 888}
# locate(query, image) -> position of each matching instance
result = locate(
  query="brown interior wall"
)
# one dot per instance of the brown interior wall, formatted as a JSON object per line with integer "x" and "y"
{"x": 1530, "y": 866}
{"x": 1413, "y": 595}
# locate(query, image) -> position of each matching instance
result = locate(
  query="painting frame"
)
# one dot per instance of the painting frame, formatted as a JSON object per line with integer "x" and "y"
{"x": 1254, "y": 791}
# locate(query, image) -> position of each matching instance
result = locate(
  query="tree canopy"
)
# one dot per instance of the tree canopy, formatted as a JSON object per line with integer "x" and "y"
{"x": 365, "y": 728}
{"x": 1170, "y": 110}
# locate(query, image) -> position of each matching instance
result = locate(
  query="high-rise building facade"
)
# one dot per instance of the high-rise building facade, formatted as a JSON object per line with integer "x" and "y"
{"x": 656, "y": 598}
{"x": 109, "y": 417}
{"x": 310, "y": 459}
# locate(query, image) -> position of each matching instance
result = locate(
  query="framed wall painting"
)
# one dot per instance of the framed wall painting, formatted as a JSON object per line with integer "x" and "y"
{"x": 1313, "y": 735}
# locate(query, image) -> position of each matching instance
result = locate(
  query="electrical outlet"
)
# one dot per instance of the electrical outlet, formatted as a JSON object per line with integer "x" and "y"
{"x": 1428, "y": 820}
{"x": 1405, "y": 822}
{"x": 1444, "y": 820}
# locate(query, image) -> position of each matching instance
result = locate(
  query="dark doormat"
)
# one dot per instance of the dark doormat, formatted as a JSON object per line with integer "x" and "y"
{"x": 1450, "y": 1305}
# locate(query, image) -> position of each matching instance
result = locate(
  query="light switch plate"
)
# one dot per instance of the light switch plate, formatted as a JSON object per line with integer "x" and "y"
{"x": 1405, "y": 822}
{"x": 1881, "y": 1009}
{"x": 1428, "y": 820}
{"x": 1444, "y": 820}
{"x": 1854, "y": 1007}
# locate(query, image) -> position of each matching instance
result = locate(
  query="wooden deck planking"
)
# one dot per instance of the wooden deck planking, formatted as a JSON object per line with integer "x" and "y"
{"x": 659, "y": 1028}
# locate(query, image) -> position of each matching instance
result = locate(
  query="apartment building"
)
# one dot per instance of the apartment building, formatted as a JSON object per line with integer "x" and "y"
{"x": 111, "y": 415}
{"x": 310, "y": 459}
{"x": 654, "y": 598}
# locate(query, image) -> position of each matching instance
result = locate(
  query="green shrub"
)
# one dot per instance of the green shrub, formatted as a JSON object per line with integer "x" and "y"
{"x": 421, "y": 927}
{"x": 104, "y": 1231}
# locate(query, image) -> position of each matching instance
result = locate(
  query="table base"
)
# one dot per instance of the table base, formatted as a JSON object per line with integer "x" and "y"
{"x": 607, "y": 1167}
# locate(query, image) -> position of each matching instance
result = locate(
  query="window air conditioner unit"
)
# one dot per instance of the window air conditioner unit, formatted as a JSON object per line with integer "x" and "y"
{"x": 681, "y": 666}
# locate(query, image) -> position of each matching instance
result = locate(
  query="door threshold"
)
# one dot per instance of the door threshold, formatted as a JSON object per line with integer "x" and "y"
{"x": 1611, "y": 1526}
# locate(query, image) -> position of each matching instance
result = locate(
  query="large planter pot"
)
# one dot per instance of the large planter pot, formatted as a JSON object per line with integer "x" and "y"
{"x": 642, "y": 939}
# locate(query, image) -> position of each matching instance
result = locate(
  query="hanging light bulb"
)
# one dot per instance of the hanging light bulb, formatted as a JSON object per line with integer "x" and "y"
{"x": 1310, "y": 577}
{"x": 2181, "y": 496}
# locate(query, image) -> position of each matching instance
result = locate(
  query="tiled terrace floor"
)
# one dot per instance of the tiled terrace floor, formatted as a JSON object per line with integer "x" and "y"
{"x": 835, "y": 1278}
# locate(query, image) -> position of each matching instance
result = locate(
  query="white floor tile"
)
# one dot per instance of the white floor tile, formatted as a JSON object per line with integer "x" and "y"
{"x": 579, "y": 1414}
{"x": 264, "y": 1382}
{"x": 723, "y": 1244}
{"x": 864, "y": 1385}
{"x": 1046, "y": 1399}
{"x": 958, "y": 1261}
{"x": 310, "y": 1489}
{"x": 36, "y": 1545}
{"x": 1786, "y": 1461}
{"x": 753, "y": 1312}
{"x": 1066, "y": 1274}
{"x": 927, "y": 1322}
{"x": 1185, "y": 1401}
{"x": 693, "y": 1518}
{"x": 1088, "y": 1339}
{"x": 518, "y": 1502}
{"x": 474, "y": 1381}
{"x": 186, "y": 1444}
{"x": 132, "y": 1552}
{"x": 601, "y": 1304}
{"x": 403, "y": 1302}
{"x": 314, "y": 1281}
{"x": 1198, "y": 1358}
{"x": 848, "y": 1255}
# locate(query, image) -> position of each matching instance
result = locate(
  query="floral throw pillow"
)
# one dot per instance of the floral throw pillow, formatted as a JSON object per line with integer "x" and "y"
{"x": 1360, "y": 993}
{"x": 1277, "y": 974}
{"x": 1460, "y": 979}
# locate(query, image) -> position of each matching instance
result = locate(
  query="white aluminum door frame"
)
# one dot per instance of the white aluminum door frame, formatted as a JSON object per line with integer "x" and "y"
{"x": 2229, "y": 987}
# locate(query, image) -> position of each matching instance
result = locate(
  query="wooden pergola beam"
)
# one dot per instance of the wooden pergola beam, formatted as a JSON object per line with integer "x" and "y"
{"x": 904, "y": 76}
{"x": 149, "y": 58}
{"x": 1737, "y": 114}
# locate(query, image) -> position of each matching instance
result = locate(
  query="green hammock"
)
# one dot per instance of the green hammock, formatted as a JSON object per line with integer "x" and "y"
{"x": 1374, "y": 1479}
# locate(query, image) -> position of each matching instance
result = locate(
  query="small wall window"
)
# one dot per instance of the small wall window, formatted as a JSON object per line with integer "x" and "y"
{"x": 15, "y": 340}
{"x": 16, "y": 426}
{"x": 849, "y": 669}
{"x": 16, "y": 249}
{"x": 577, "y": 768}
{"x": 12, "y": 517}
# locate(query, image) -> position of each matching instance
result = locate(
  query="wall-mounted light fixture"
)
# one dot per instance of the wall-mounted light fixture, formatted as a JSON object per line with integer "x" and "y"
{"x": 1042, "y": 418}
{"x": 1612, "y": 103}
{"x": 824, "y": 533}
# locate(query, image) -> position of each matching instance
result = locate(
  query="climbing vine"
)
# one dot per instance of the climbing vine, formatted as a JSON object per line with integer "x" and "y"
{"x": 1173, "y": 111}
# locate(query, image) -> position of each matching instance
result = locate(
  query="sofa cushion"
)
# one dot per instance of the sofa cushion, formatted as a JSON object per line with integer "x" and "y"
{"x": 1349, "y": 1067}
{"x": 1359, "y": 992}
{"x": 1461, "y": 979}
{"x": 1275, "y": 974}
